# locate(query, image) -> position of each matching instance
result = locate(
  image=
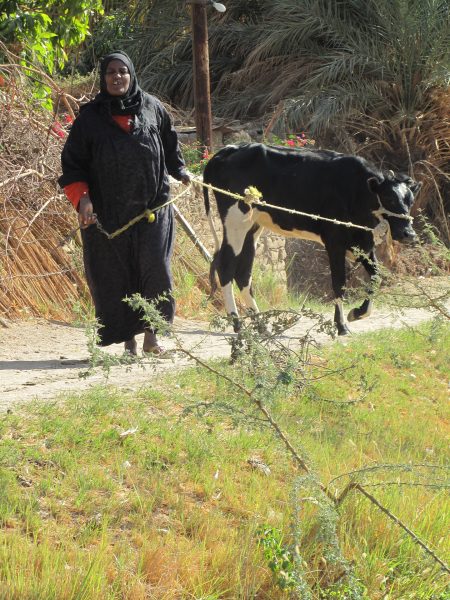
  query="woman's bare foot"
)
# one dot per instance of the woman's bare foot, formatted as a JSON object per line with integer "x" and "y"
{"x": 131, "y": 346}
{"x": 151, "y": 345}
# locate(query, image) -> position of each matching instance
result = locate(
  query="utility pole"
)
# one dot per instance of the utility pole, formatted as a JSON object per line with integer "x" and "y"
{"x": 200, "y": 53}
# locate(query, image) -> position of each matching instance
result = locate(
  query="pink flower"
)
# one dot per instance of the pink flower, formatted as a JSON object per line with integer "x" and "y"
{"x": 290, "y": 143}
{"x": 68, "y": 119}
{"x": 58, "y": 130}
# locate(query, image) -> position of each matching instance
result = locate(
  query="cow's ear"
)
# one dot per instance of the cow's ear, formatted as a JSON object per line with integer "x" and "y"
{"x": 373, "y": 183}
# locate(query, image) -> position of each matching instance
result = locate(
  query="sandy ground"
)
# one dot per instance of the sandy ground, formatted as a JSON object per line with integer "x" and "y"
{"x": 42, "y": 359}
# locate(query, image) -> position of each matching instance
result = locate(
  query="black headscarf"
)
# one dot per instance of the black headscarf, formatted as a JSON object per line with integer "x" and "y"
{"x": 131, "y": 102}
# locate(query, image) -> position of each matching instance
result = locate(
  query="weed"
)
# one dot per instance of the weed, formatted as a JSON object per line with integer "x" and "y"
{"x": 280, "y": 560}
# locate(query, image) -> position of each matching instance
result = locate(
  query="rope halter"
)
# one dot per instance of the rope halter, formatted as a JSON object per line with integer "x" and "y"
{"x": 384, "y": 211}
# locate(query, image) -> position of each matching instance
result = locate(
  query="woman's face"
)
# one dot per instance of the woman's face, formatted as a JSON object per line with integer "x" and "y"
{"x": 117, "y": 78}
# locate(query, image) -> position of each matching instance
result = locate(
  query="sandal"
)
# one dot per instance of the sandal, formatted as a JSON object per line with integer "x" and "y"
{"x": 158, "y": 352}
{"x": 130, "y": 347}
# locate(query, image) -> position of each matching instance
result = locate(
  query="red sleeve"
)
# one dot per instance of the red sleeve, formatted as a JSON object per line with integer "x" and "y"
{"x": 124, "y": 121}
{"x": 74, "y": 191}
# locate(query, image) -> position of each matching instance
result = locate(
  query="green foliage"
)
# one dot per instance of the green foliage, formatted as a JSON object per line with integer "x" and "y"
{"x": 299, "y": 140}
{"x": 42, "y": 31}
{"x": 375, "y": 57}
{"x": 195, "y": 157}
{"x": 110, "y": 32}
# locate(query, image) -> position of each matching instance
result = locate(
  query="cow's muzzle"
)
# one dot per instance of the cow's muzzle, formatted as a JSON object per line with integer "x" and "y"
{"x": 405, "y": 235}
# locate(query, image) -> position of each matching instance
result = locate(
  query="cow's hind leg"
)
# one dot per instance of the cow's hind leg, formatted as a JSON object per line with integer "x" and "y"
{"x": 230, "y": 257}
{"x": 371, "y": 266}
{"x": 244, "y": 268}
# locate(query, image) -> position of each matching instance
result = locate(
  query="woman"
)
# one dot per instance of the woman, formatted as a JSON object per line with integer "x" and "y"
{"x": 115, "y": 164}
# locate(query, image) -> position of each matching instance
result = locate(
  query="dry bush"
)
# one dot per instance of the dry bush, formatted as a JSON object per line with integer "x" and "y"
{"x": 38, "y": 276}
{"x": 424, "y": 148}
{"x": 433, "y": 168}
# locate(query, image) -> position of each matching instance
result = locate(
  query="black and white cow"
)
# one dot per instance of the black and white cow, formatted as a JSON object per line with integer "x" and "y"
{"x": 318, "y": 182}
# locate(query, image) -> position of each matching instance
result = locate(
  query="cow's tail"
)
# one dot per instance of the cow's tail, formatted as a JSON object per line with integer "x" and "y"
{"x": 212, "y": 274}
{"x": 210, "y": 219}
{"x": 213, "y": 267}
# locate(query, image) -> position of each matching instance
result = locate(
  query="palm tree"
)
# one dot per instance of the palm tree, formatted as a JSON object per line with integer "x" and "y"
{"x": 363, "y": 75}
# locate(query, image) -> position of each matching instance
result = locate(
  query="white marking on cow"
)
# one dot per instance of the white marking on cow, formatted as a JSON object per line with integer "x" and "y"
{"x": 236, "y": 226}
{"x": 228, "y": 298}
{"x": 402, "y": 189}
{"x": 340, "y": 307}
{"x": 263, "y": 219}
{"x": 248, "y": 299}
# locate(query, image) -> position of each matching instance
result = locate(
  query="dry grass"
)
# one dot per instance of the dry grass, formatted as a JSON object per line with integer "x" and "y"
{"x": 37, "y": 274}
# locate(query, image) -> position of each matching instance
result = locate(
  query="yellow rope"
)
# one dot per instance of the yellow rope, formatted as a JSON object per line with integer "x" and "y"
{"x": 252, "y": 196}
{"x": 147, "y": 214}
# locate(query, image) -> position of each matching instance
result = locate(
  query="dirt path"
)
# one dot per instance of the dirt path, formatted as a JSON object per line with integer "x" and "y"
{"x": 41, "y": 359}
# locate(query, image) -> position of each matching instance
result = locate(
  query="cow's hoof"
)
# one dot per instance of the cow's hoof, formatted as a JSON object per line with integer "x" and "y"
{"x": 343, "y": 330}
{"x": 356, "y": 314}
{"x": 360, "y": 312}
{"x": 237, "y": 325}
{"x": 353, "y": 315}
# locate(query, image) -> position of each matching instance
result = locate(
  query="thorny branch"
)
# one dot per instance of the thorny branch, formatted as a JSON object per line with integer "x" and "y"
{"x": 260, "y": 405}
{"x": 337, "y": 500}
{"x": 400, "y": 523}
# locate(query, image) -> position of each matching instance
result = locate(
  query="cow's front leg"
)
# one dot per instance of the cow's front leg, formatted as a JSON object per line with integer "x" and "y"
{"x": 337, "y": 267}
{"x": 226, "y": 261}
{"x": 370, "y": 264}
{"x": 237, "y": 228}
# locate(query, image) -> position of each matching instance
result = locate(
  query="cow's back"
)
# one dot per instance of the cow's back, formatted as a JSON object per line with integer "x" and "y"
{"x": 303, "y": 179}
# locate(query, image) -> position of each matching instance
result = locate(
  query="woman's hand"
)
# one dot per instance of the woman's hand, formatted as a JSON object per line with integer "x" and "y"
{"x": 86, "y": 216}
{"x": 186, "y": 178}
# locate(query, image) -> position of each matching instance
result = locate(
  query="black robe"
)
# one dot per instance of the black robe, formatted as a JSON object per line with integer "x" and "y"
{"x": 126, "y": 173}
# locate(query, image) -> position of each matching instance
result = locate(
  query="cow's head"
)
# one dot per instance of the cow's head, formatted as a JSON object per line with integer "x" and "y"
{"x": 396, "y": 194}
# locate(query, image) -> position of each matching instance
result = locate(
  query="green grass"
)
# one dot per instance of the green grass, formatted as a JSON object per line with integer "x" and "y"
{"x": 173, "y": 510}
